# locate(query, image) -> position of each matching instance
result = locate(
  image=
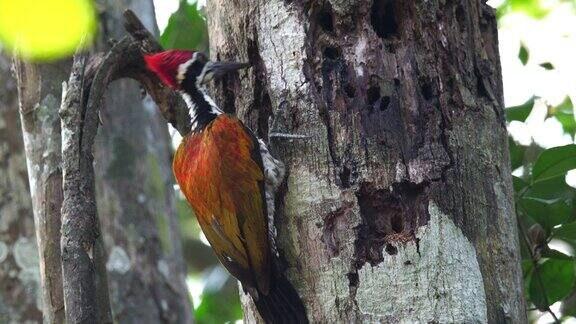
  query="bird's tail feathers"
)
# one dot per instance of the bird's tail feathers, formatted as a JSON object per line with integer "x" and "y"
{"x": 282, "y": 304}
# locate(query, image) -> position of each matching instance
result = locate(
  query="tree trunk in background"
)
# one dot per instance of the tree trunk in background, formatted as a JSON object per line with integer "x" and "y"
{"x": 399, "y": 206}
{"x": 39, "y": 91}
{"x": 135, "y": 195}
{"x": 20, "y": 291}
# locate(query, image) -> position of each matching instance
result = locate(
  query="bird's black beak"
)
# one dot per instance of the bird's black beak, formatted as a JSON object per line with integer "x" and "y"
{"x": 216, "y": 70}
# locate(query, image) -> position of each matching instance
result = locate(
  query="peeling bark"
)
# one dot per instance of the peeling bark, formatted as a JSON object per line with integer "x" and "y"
{"x": 399, "y": 206}
{"x": 135, "y": 196}
{"x": 39, "y": 91}
{"x": 20, "y": 290}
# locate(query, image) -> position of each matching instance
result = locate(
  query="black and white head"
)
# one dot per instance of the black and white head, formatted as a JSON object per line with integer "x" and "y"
{"x": 187, "y": 70}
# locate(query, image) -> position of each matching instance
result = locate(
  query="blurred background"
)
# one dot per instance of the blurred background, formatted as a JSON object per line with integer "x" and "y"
{"x": 538, "y": 56}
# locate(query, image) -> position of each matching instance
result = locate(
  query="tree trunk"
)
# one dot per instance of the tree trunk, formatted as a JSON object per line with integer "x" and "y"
{"x": 399, "y": 205}
{"x": 20, "y": 291}
{"x": 135, "y": 195}
{"x": 39, "y": 91}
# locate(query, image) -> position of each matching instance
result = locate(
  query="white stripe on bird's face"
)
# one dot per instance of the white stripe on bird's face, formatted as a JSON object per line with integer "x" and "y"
{"x": 182, "y": 68}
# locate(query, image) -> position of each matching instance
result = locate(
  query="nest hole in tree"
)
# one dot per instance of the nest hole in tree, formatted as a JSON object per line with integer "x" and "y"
{"x": 391, "y": 249}
{"x": 345, "y": 177}
{"x": 385, "y": 19}
{"x": 373, "y": 94}
{"x": 388, "y": 217}
{"x": 325, "y": 17}
{"x": 350, "y": 91}
{"x": 460, "y": 14}
{"x": 332, "y": 53}
{"x": 427, "y": 90}
{"x": 384, "y": 103}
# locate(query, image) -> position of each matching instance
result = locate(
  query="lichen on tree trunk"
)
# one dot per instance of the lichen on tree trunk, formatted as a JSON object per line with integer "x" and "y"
{"x": 20, "y": 290}
{"x": 39, "y": 92}
{"x": 399, "y": 205}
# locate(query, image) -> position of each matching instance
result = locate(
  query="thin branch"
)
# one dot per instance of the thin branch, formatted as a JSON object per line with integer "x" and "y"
{"x": 85, "y": 286}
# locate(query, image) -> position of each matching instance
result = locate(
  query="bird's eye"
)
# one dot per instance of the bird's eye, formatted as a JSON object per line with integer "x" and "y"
{"x": 201, "y": 57}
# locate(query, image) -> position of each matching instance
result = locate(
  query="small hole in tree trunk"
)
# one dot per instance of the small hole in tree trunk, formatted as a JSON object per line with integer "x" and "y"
{"x": 397, "y": 224}
{"x": 373, "y": 94}
{"x": 391, "y": 249}
{"x": 427, "y": 90}
{"x": 384, "y": 18}
{"x": 350, "y": 91}
{"x": 345, "y": 177}
{"x": 326, "y": 18}
{"x": 461, "y": 17}
{"x": 331, "y": 53}
{"x": 353, "y": 279}
{"x": 384, "y": 103}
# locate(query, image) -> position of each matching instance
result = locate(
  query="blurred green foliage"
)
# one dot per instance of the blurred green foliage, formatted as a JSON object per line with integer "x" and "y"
{"x": 186, "y": 29}
{"x": 220, "y": 305}
{"x": 219, "y": 301}
{"x": 537, "y": 9}
{"x": 532, "y": 8}
{"x": 545, "y": 207}
{"x": 523, "y": 54}
{"x": 545, "y": 203}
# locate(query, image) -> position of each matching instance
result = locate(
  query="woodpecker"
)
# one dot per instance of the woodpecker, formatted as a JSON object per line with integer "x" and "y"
{"x": 229, "y": 178}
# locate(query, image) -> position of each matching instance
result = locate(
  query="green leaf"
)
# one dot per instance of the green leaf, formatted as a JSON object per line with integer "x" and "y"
{"x": 554, "y": 162}
{"x": 565, "y": 232}
{"x": 565, "y": 115}
{"x": 547, "y": 213}
{"x": 221, "y": 305}
{"x": 523, "y": 54}
{"x": 547, "y": 65}
{"x": 553, "y": 188}
{"x": 552, "y": 281}
{"x": 526, "y": 267}
{"x": 186, "y": 29}
{"x": 519, "y": 184}
{"x": 555, "y": 254}
{"x": 516, "y": 153}
{"x": 521, "y": 112}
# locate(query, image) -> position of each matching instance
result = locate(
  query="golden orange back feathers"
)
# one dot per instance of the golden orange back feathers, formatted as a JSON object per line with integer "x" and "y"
{"x": 219, "y": 170}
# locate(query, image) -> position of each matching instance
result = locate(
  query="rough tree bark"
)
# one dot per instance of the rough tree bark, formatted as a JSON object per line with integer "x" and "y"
{"x": 84, "y": 279}
{"x": 20, "y": 291}
{"x": 135, "y": 195}
{"x": 399, "y": 206}
{"x": 39, "y": 92}
{"x": 80, "y": 111}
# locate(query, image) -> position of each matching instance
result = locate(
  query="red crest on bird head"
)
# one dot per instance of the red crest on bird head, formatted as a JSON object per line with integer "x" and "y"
{"x": 165, "y": 64}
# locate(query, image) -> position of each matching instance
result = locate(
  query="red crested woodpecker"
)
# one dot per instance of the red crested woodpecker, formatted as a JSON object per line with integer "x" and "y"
{"x": 229, "y": 178}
